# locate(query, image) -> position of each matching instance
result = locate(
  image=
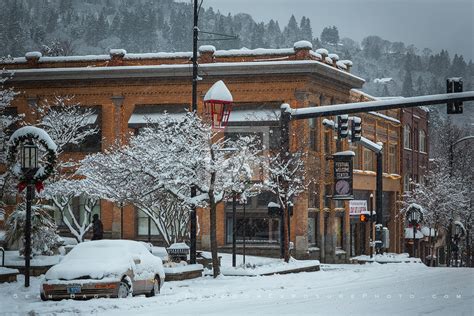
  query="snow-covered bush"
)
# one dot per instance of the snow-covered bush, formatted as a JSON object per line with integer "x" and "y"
{"x": 44, "y": 237}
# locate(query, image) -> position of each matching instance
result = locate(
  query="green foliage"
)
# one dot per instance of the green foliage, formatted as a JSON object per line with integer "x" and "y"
{"x": 330, "y": 35}
{"x": 44, "y": 237}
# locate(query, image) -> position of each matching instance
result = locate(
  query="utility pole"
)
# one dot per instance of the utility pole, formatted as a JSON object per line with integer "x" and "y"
{"x": 371, "y": 239}
{"x": 30, "y": 195}
{"x": 193, "y": 219}
{"x": 284, "y": 153}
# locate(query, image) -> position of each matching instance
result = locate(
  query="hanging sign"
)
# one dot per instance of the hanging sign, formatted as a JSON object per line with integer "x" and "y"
{"x": 343, "y": 175}
{"x": 358, "y": 207}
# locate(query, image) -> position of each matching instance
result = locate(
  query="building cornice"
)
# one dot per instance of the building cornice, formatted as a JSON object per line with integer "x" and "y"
{"x": 237, "y": 69}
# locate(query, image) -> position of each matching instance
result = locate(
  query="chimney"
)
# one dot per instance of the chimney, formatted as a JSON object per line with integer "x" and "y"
{"x": 302, "y": 49}
{"x": 206, "y": 53}
{"x": 323, "y": 52}
{"x": 32, "y": 58}
{"x": 116, "y": 57}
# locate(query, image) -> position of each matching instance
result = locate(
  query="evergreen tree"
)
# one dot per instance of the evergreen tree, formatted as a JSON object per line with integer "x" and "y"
{"x": 291, "y": 32}
{"x": 330, "y": 35}
{"x": 407, "y": 87}
{"x": 306, "y": 31}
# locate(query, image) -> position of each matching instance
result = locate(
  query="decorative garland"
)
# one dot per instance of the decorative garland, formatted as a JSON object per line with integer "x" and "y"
{"x": 26, "y": 134}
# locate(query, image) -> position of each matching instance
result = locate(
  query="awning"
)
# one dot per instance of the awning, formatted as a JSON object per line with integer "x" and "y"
{"x": 144, "y": 114}
{"x": 249, "y": 113}
{"x": 409, "y": 233}
{"x": 91, "y": 119}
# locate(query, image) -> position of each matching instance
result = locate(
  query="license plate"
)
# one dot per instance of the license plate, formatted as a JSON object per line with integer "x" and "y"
{"x": 76, "y": 289}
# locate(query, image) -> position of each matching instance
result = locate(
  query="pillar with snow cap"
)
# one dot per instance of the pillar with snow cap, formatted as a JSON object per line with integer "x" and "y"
{"x": 32, "y": 58}
{"x": 323, "y": 52}
{"x": 334, "y": 58}
{"x": 218, "y": 105}
{"x": 302, "y": 49}
{"x": 116, "y": 56}
{"x": 206, "y": 54}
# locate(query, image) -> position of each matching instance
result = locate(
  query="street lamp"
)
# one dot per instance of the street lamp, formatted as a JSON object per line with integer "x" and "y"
{"x": 29, "y": 166}
{"x": 414, "y": 216}
{"x": 218, "y": 105}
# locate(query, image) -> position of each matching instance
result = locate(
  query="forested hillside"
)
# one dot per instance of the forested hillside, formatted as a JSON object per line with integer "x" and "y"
{"x": 66, "y": 27}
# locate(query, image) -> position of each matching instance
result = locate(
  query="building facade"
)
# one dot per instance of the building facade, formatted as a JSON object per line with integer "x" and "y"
{"x": 126, "y": 88}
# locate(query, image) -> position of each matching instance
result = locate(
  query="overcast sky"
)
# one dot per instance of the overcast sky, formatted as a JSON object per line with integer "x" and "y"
{"x": 435, "y": 24}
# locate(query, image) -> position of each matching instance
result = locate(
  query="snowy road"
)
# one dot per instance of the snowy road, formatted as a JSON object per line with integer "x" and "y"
{"x": 391, "y": 289}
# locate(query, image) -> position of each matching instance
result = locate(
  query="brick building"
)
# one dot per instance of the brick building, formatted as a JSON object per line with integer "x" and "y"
{"x": 415, "y": 160}
{"x": 124, "y": 88}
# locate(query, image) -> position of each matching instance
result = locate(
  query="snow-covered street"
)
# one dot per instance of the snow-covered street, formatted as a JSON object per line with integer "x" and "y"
{"x": 371, "y": 289}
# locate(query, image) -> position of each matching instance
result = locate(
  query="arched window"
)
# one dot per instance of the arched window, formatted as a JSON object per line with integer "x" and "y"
{"x": 422, "y": 141}
{"x": 407, "y": 137}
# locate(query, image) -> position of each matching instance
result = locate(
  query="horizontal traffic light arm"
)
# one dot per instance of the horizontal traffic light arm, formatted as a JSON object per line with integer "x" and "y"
{"x": 367, "y": 143}
{"x": 357, "y": 107}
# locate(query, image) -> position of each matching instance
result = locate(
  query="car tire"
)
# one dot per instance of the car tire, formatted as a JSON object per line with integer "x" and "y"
{"x": 156, "y": 287}
{"x": 124, "y": 289}
{"x": 43, "y": 297}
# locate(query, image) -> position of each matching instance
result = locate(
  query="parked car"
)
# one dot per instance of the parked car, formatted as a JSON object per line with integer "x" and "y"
{"x": 104, "y": 268}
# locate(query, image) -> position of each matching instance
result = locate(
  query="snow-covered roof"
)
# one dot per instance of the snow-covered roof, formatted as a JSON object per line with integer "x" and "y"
{"x": 218, "y": 92}
{"x": 254, "y": 52}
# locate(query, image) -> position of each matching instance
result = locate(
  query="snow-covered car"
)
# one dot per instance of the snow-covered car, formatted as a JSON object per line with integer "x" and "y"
{"x": 104, "y": 268}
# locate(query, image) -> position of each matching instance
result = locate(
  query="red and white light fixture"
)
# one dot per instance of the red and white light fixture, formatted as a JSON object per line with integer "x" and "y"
{"x": 218, "y": 105}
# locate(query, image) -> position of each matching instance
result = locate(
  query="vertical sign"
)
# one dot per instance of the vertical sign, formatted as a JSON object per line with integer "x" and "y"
{"x": 343, "y": 175}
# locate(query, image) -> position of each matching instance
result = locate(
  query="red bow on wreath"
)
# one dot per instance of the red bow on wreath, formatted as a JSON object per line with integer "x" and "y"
{"x": 38, "y": 185}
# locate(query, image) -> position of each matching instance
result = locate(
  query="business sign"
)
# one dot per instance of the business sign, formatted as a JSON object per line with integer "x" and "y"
{"x": 357, "y": 207}
{"x": 343, "y": 175}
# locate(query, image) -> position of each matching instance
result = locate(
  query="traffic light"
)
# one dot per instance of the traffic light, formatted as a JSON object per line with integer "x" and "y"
{"x": 343, "y": 125}
{"x": 364, "y": 218}
{"x": 356, "y": 129}
{"x": 454, "y": 85}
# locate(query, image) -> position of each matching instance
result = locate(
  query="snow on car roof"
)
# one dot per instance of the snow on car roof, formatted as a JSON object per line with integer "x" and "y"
{"x": 106, "y": 258}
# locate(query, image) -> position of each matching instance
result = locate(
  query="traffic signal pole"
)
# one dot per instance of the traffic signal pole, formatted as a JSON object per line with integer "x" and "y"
{"x": 288, "y": 114}
{"x": 193, "y": 215}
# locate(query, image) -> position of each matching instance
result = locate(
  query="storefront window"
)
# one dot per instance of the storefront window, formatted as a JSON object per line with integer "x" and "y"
{"x": 146, "y": 226}
{"x": 313, "y": 226}
{"x": 255, "y": 228}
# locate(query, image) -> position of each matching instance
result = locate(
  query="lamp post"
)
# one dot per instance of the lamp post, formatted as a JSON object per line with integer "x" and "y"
{"x": 415, "y": 216}
{"x": 29, "y": 166}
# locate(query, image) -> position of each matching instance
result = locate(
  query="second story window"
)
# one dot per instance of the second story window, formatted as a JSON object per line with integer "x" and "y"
{"x": 422, "y": 141}
{"x": 368, "y": 160}
{"x": 407, "y": 137}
